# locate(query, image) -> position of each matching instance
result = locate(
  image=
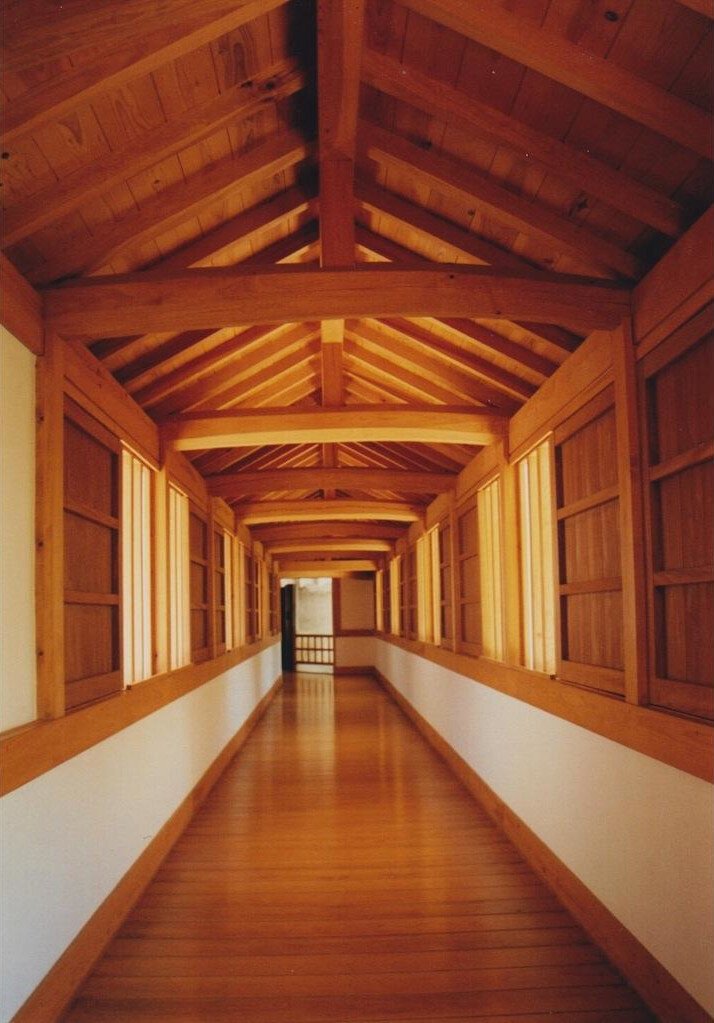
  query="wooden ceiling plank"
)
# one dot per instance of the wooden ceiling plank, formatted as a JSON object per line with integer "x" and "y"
{"x": 194, "y": 299}
{"x": 456, "y": 178}
{"x": 556, "y": 57}
{"x": 236, "y": 485}
{"x": 571, "y": 164}
{"x": 86, "y": 183}
{"x": 705, "y": 7}
{"x": 248, "y": 428}
{"x": 340, "y": 510}
{"x": 113, "y": 67}
{"x": 176, "y": 205}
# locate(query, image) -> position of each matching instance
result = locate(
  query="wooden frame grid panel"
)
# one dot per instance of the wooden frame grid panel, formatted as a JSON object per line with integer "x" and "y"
{"x": 274, "y": 602}
{"x": 314, "y": 649}
{"x": 199, "y": 581}
{"x": 178, "y": 578}
{"x": 590, "y": 634}
{"x": 677, "y": 403}
{"x": 220, "y": 595}
{"x": 92, "y": 559}
{"x": 468, "y": 579}
{"x": 395, "y": 605}
{"x": 411, "y": 581}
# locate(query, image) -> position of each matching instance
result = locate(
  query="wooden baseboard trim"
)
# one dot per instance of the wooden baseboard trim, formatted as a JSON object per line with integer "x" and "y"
{"x": 52, "y": 996}
{"x": 659, "y": 989}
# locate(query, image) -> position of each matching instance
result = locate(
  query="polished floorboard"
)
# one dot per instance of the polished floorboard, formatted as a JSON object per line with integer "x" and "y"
{"x": 339, "y": 872}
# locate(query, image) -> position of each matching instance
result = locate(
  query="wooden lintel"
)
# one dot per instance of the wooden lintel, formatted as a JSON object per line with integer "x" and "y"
{"x": 308, "y": 548}
{"x": 339, "y": 564}
{"x": 235, "y": 485}
{"x": 195, "y": 299}
{"x": 427, "y": 424}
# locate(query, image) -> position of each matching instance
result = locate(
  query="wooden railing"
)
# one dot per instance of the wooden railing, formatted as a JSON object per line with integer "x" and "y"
{"x": 314, "y": 649}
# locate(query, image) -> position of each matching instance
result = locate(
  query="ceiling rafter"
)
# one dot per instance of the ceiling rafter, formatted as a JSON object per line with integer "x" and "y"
{"x": 175, "y": 205}
{"x": 125, "y": 59}
{"x": 238, "y": 103}
{"x": 526, "y": 42}
{"x": 566, "y": 161}
{"x": 374, "y": 368}
{"x": 470, "y": 186}
{"x": 240, "y": 484}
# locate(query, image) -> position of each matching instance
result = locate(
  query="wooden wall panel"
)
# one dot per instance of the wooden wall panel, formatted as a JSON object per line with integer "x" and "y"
{"x": 92, "y": 570}
{"x": 589, "y": 557}
{"x": 678, "y": 427}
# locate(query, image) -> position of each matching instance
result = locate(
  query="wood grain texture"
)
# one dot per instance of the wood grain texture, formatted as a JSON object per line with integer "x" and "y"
{"x": 342, "y": 905}
{"x": 661, "y": 991}
{"x": 193, "y": 299}
{"x": 572, "y": 65}
{"x": 265, "y": 481}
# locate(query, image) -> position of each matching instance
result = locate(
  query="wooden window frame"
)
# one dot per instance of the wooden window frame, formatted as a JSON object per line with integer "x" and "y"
{"x": 138, "y": 560}
{"x": 538, "y": 562}
{"x": 460, "y": 557}
{"x": 202, "y": 653}
{"x": 85, "y": 690}
{"x": 606, "y": 678}
{"x": 490, "y": 506}
{"x": 697, "y": 701}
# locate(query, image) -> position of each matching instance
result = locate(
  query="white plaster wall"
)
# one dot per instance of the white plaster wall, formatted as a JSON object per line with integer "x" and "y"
{"x": 354, "y": 651}
{"x": 70, "y": 835}
{"x": 357, "y": 603}
{"x": 637, "y": 832}
{"x": 17, "y": 533}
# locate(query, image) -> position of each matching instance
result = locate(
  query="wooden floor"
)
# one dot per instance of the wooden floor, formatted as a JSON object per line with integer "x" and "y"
{"x": 338, "y": 872}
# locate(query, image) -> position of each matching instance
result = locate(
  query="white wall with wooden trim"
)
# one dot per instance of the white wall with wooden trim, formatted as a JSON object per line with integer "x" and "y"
{"x": 18, "y": 676}
{"x": 637, "y": 832}
{"x": 70, "y": 835}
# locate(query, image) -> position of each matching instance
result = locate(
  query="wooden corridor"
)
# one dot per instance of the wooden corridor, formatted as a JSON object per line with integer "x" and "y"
{"x": 339, "y": 872}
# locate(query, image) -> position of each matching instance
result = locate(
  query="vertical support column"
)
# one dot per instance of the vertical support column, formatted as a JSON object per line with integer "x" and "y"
{"x": 50, "y": 530}
{"x": 629, "y": 468}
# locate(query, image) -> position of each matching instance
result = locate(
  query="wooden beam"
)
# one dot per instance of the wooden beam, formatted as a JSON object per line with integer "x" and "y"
{"x": 239, "y": 484}
{"x": 176, "y": 205}
{"x": 567, "y": 162}
{"x": 21, "y": 308}
{"x": 331, "y": 565}
{"x": 339, "y": 510}
{"x": 194, "y": 299}
{"x": 86, "y": 183}
{"x": 429, "y": 423}
{"x": 310, "y": 532}
{"x": 310, "y": 547}
{"x": 705, "y": 7}
{"x": 461, "y": 181}
{"x": 138, "y": 53}
{"x": 524, "y": 41}
{"x": 340, "y": 28}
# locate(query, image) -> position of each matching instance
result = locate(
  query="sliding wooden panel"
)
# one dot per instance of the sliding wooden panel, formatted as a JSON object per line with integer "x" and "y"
{"x": 220, "y": 592}
{"x": 136, "y": 567}
{"x": 92, "y": 555}
{"x": 678, "y": 399}
{"x": 489, "y": 524}
{"x": 446, "y": 584}
{"x": 468, "y": 616}
{"x": 395, "y": 595}
{"x": 589, "y": 562}
{"x": 178, "y": 579}
{"x": 199, "y": 586}
{"x": 250, "y": 588}
{"x": 411, "y": 579}
{"x": 274, "y": 598}
{"x": 537, "y": 555}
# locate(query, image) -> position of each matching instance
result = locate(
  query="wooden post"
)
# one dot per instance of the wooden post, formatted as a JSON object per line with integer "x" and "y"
{"x": 50, "y": 530}
{"x": 629, "y": 467}
{"x": 160, "y": 570}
